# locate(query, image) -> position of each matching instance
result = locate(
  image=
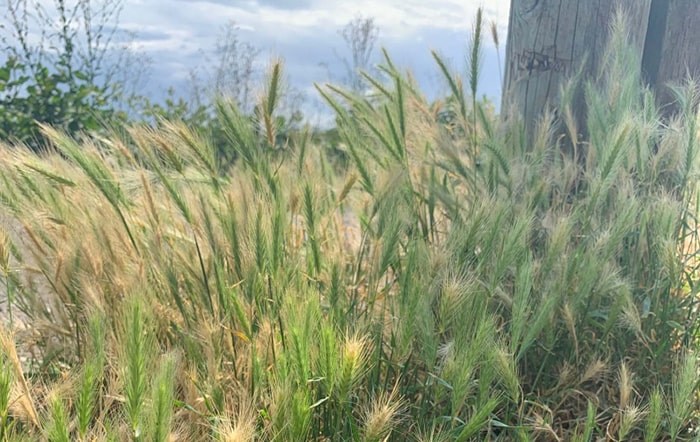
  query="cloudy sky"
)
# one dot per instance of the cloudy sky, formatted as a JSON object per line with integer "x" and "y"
{"x": 177, "y": 33}
{"x": 180, "y": 35}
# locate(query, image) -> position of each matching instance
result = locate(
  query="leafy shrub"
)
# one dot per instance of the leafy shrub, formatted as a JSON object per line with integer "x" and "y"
{"x": 64, "y": 98}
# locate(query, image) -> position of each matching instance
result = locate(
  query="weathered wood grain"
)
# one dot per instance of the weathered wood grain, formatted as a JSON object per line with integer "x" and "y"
{"x": 679, "y": 55}
{"x": 549, "y": 40}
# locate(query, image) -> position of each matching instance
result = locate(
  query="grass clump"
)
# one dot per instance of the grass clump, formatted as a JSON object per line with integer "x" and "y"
{"x": 457, "y": 282}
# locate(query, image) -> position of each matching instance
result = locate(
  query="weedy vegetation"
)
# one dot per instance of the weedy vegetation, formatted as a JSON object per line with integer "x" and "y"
{"x": 454, "y": 282}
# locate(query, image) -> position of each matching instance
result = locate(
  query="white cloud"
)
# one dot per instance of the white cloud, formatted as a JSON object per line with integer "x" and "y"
{"x": 396, "y": 18}
{"x": 174, "y": 33}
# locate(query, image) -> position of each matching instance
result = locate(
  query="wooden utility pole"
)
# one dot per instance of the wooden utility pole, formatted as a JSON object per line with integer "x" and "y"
{"x": 672, "y": 49}
{"x": 551, "y": 40}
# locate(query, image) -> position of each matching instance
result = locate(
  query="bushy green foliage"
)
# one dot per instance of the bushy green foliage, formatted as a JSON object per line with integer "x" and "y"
{"x": 67, "y": 99}
{"x": 55, "y": 69}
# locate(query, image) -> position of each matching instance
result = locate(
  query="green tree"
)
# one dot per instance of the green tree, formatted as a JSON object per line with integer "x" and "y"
{"x": 61, "y": 69}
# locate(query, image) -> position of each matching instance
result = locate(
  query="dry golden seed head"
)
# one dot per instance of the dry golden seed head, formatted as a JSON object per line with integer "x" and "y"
{"x": 507, "y": 371}
{"x": 632, "y": 319}
{"x": 176, "y": 436}
{"x": 453, "y": 293}
{"x": 634, "y": 413}
{"x": 628, "y": 418}
{"x": 354, "y": 349}
{"x": 351, "y": 180}
{"x": 4, "y": 252}
{"x": 565, "y": 374}
{"x": 593, "y": 370}
{"x": 445, "y": 352}
{"x": 23, "y": 403}
{"x": 21, "y": 406}
{"x": 434, "y": 435}
{"x": 381, "y": 416}
{"x": 243, "y": 430}
{"x": 625, "y": 384}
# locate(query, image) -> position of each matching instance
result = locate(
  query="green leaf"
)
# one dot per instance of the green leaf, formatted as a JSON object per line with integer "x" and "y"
{"x": 80, "y": 75}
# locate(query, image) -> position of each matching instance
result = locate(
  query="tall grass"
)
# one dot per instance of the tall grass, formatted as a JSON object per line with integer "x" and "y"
{"x": 415, "y": 295}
